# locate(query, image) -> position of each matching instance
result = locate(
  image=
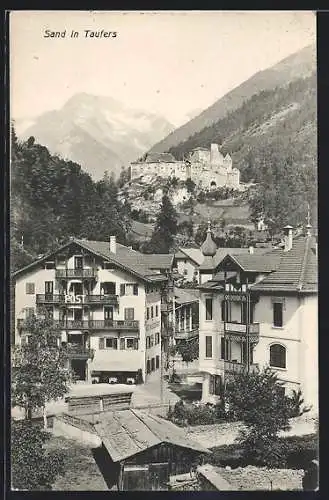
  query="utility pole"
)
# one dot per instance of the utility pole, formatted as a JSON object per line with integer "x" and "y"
{"x": 247, "y": 326}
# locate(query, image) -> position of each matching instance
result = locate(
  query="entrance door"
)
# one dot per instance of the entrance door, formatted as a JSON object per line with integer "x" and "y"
{"x": 78, "y": 366}
{"x": 151, "y": 477}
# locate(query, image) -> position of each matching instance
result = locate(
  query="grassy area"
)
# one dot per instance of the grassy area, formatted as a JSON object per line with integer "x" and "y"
{"x": 81, "y": 470}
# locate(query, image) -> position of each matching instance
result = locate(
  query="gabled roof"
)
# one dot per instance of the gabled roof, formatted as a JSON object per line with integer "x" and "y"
{"x": 125, "y": 258}
{"x": 159, "y": 157}
{"x": 194, "y": 254}
{"x": 297, "y": 270}
{"x": 261, "y": 263}
{"x": 126, "y": 433}
{"x": 211, "y": 263}
{"x": 186, "y": 295}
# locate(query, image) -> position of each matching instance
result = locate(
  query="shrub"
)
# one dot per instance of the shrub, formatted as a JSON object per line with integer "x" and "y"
{"x": 190, "y": 414}
{"x": 295, "y": 402}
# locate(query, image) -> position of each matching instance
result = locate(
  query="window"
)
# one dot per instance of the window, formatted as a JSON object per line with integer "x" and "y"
{"x": 129, "y": 313}
{"x": 108, "y": 265}
{"x": 78, "y": 262}
{"x": 278, "y": 356}
{"x": 111, "y": 343}
{"x": 185, "y": 272}
{"x": 132, "y": 344}
{"x": 277, "y": 314}
{"x": 156, "y": 311}
{"x": 224, "y": 310}
{"x": 157, "y": 362}
{"x": 148, "y": 342}
{"x": 108, "y": 288}
{"x": 29, "y": 312}
{"x": 151, "y": 311}
{"x": 157, "y": 338}
{"x": 148, "y": 313}
{"x": 218, "y": 385}
{"x": 108, "y": 312}
{"x": 129, "y": 289}
{"x": 222, "y": 348}
{"x": 208, "y": 309}
{"x": 30, "y": 288}
{"x": 49, "y": 287}
{"x": 208, "y": 347}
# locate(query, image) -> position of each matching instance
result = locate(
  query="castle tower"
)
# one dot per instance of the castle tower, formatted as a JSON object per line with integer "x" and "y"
{"x": 216, "y": 157}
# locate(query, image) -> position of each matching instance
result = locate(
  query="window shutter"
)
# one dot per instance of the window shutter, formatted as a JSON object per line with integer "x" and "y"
{"x": 102, "y": 343}
{"x": 122, "y": 289}
{"x": 135, "y": 289}
{"x": 122, "y": 344}
{"x": 136, "y": 344}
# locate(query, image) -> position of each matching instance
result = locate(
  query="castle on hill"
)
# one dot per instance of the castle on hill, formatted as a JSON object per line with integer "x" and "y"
{"x": 208, "y": 168}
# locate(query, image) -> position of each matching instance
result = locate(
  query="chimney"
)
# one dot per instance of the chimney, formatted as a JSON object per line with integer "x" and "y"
{"x": 113, "y": 244}
{"x": 287, "y": 238}
{"x": 251, "y": 250}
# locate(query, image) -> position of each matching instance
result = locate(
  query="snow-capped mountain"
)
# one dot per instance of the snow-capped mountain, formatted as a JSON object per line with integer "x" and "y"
{"x": 99, "y": 133}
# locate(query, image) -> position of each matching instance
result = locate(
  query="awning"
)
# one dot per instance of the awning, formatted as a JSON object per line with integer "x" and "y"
{"x": 116, "y": 361}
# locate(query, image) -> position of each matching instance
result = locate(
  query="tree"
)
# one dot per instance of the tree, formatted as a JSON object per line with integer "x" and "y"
{"x": 32, "y": 466}
{"x": 165, "y": 228}
{"x": 39, "y": 374}
{"x": 189, "y": 350}
{"x": 258, "y": 400}
{"x": 190, "y": 185}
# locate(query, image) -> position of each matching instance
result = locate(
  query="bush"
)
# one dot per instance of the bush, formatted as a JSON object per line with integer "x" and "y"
{"x": 295, "y": 403}
{"x": 189, "y": 414}
{"x": 32, "y": 467}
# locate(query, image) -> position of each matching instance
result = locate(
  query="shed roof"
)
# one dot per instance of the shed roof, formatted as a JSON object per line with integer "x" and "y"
{"x": 186, "y": 295}
{"x": 126, "y": 433}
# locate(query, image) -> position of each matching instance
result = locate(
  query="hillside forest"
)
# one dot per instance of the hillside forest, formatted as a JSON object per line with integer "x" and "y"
{"x": 272, "y": 139}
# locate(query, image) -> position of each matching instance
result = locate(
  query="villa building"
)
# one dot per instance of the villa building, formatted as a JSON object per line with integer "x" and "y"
{"x": 106, "y": 300}
{"x": 260, "y": 310}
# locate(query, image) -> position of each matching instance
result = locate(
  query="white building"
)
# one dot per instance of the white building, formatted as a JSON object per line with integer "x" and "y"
{"x": 261, "y": 310}
{"x": 106, "y": 300}
{"x": 208, "y": 168}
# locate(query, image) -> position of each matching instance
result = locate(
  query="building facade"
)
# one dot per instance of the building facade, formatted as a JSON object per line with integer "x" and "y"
{"x": 261, "y": 310}
{"x": 208, "y": 168}
{"x": 106, "y": 300}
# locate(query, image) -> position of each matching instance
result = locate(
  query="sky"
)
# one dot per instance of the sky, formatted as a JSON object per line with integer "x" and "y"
{"x": 168, "y": 62}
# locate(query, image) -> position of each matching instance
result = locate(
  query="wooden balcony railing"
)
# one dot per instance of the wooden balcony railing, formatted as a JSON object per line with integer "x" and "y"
{"x": 233, "y": 367}
{"x": 107, "y": 324}
{"x": 76, "y": 273}
{"x": 83, "y": 299}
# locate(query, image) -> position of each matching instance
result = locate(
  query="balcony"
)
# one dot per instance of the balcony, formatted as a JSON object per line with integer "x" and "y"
{"x": 83, "y": 299}
{"x": 234, "y": 367}
{"x": 107, "y": 324}
{"x": 186, "y": 334}
{"x": 239, "y": 330}
{"x": 75, "y": 273}
{"x": 79, "y": 351}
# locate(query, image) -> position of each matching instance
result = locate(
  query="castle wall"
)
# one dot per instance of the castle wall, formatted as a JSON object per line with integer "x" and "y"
{"x": 205, "y": 167}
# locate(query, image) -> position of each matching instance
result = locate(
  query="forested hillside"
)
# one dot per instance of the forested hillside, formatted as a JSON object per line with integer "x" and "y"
{"x": 272, "y": 139}
{"x": 299, "y": 65}
{"x": 52, "y": 199}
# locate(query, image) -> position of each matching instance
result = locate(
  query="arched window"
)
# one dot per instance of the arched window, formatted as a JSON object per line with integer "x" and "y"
{"x": 278, "y": 356}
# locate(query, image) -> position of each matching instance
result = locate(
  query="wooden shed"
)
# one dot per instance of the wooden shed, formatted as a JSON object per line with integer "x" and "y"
{"x": 139, "y": 451}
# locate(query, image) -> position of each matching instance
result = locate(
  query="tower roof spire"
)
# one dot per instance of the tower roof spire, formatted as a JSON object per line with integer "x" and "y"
{"x": 209, "y": 247}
